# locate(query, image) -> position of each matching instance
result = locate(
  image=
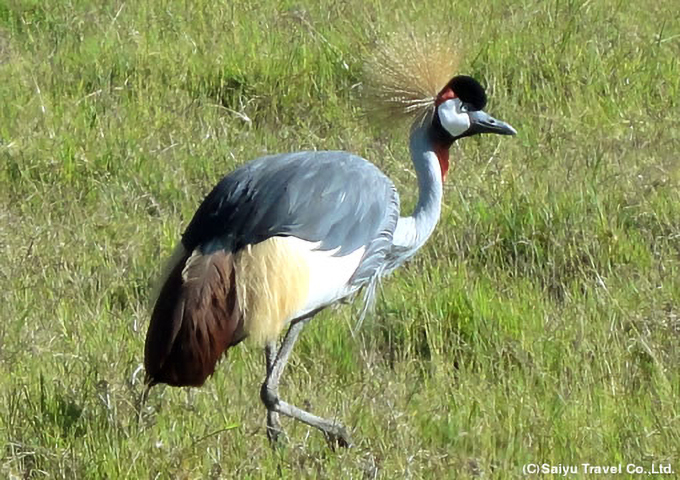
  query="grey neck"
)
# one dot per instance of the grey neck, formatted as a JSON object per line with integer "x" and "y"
{"x": 413, "y": 231}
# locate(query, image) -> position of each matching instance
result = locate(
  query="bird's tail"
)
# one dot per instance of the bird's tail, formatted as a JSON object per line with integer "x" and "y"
{"x": 196, "y": 318}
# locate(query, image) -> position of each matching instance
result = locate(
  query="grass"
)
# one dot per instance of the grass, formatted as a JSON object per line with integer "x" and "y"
{"x": 541, "y": 323}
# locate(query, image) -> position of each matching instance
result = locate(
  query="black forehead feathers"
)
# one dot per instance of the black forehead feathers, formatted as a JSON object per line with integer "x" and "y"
{"x": 469, "y": 91}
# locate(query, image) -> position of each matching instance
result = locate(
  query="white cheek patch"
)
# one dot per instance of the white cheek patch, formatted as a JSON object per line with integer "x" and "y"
{"x": 452, "y": 119}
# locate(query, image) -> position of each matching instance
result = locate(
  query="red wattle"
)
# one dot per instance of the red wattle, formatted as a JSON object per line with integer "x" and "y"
{"x": 443, "y": 157}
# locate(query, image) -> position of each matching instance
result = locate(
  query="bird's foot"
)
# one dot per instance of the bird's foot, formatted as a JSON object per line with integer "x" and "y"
{"x": 337, "y": 436}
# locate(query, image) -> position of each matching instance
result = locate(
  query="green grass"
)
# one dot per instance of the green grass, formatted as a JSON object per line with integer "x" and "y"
{"x": 541, "y": 323}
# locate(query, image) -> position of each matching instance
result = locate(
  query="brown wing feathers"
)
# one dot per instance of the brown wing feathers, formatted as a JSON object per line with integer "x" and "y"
{"x": 195, "y": 319}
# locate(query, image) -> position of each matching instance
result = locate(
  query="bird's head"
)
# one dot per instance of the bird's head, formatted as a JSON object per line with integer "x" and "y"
{"x": 459, "y": 110}
{"x": 410, "y": 77}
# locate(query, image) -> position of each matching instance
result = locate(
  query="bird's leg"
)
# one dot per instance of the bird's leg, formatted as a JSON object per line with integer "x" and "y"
{"x": 270, "y": 351}
{"x": 335, "y": 433}
{"x": 273, "y": 425}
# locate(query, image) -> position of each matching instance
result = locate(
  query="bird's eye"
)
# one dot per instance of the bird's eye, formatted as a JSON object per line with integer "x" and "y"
{"x": 463, "y": 108}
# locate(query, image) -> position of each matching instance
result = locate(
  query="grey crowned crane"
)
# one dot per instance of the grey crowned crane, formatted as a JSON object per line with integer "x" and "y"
{"x": 284, "y": 236}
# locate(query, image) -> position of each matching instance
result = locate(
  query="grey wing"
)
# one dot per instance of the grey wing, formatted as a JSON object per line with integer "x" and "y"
{"x": 335, "y": 198}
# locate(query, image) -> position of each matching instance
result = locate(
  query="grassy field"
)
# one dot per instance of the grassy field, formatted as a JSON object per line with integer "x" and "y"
{"x": 541, "y": 323}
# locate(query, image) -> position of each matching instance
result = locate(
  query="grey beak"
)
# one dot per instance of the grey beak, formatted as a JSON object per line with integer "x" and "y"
{"x": 482, "y": 122}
